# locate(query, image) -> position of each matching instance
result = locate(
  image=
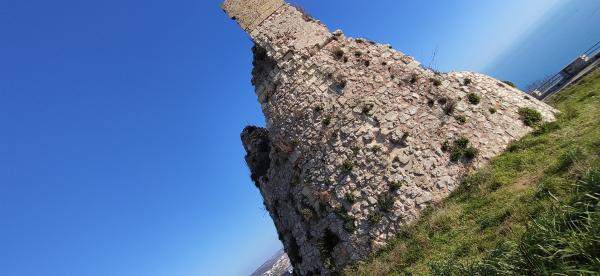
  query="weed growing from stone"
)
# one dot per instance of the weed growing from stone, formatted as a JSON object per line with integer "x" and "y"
{"x": 348, "y": 165}
{"x": 460, "y": 148}
{"x": 374, "y": 217}
{"x": 350, "y": 197}
{"x": 530, "y": 117}
{"x": 474, "y": 98}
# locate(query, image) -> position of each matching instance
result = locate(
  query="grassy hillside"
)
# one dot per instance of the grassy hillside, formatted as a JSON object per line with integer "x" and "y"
{"x": 534, "y": 210}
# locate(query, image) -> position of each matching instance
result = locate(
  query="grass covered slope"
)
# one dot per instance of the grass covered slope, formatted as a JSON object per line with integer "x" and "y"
{"x": 533, "y": 210}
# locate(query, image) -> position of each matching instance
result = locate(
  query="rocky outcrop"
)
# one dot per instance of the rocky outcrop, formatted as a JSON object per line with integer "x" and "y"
{"x": 360, "y": 138}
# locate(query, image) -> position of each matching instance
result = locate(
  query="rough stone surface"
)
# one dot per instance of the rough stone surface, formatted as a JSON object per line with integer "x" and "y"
{"x": 357, "y": 136}
{"x": 250, "y": 13}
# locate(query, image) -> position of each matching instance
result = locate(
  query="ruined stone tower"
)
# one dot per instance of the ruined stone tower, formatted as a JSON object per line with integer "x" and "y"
{"x": 360, "y": 138}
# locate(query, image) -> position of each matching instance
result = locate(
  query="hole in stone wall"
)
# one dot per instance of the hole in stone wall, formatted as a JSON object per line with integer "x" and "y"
{"x": 413, "y": 79}
{"x": 258, "y": 147}
{"x": 263, "y": 65}
{"x": 326, "y": 246}
{"x": 449, "y": 107}
{"x": 338, "y": 85}
{"x": 294, "y": 251}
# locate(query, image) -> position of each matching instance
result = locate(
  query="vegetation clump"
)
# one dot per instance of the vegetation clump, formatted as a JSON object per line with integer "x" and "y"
{"x": 374, "y": 217}
{"x": 459, "y": 149}
{"x": 510, "y": 83}
{"x": 474, "y": 98}
{"x": 395, "y": 186}
{"x": 327, "y": 121}
{"x": 307, "y": 214}
{"x": 386, "y": 202}
{"x": 348, "y": 165}
{"x": 530, "y": 117}
{"x": 350, "y": 197}
{"x": 338, "y": 53}
{"x": 349, "y": 222}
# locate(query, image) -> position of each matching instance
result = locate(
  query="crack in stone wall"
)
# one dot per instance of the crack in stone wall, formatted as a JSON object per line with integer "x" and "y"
{"x": 359, "y": 136}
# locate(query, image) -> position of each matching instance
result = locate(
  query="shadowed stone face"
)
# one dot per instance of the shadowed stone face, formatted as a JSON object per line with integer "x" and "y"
{"x": 360, "y": 138}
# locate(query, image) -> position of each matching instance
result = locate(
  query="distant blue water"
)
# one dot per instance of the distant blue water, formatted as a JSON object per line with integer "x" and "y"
{"x": 569, "y": 30}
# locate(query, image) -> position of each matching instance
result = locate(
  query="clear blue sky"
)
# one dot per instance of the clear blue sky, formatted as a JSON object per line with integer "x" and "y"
{"x": 120, "y": 122}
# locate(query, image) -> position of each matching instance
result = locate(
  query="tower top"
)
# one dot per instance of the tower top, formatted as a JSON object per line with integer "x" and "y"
{"x": 250, "y": 13}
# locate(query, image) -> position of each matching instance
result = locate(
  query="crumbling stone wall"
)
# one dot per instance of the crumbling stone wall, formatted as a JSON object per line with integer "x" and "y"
{"x": 359, "y": 137}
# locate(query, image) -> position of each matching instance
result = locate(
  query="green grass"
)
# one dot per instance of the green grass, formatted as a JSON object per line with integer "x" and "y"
{"x": 533, "y": 211}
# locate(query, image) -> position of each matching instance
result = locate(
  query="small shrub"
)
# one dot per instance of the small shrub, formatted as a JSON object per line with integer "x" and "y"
{"x": 510, "y": 83}
{"x": 386, "y": 202}
{"x": 455, "y": 155}
{"x": 347, "y": 219}
{"x": 459, "y": 149}
{"x": 376, "y": 148}
{"x": 395, "y": 186}
{"x": 493, "y": 110}
{"x": 338, "y": 53}
{"x": 462, "y": 142}
{"x": 467, "y": 81}
{"x": 349, "y": 225}
{"x": 471, "y": 152}
{"x": 348, "y": 165}
{"x": 350, "y": 197}
{"x": 307, "y": 214}
{"x": 327, "y": 121}
{"x": 374, "y": 218}
{"x": 436, "y": 82}
{"x": 461, "y": 119}
{"x": 530, "y": 117}
{"x": 474, "y": 98}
